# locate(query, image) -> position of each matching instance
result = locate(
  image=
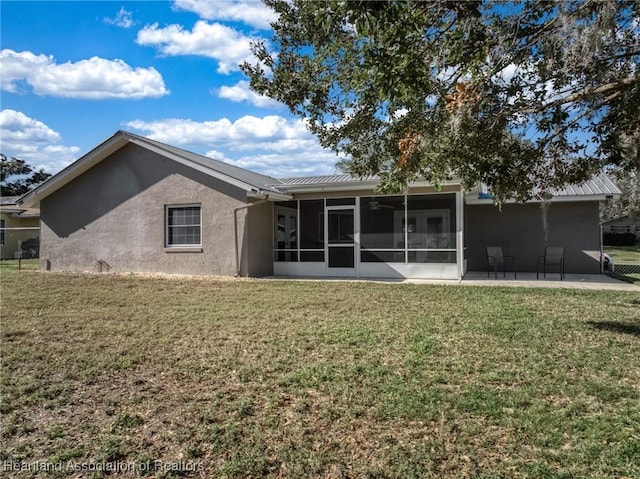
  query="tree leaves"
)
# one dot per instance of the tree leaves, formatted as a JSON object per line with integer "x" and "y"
{"x": 14, "y": 167}
{"x": 522, "y": 96}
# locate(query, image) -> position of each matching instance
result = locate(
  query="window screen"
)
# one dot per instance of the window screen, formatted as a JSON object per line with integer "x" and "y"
{"x": 183, "y": 225}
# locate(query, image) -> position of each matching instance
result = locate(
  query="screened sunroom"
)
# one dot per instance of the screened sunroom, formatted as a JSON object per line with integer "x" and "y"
{"x": 391, "y": 236}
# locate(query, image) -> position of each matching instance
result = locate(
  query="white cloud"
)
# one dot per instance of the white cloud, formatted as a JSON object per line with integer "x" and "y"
{"x": 224, "y": 44}
{"x": 33, "y": 141}
{"x": 92, "y": 79}
{"x": 271, "y": 131}
{"x": 251, "y": 12}
{"x": 181, "y": 132}
{"x": 216, "y": 155}
{"x": 123, "y": 19}
{"x": 242, "y": 92}
{"x": 271, "y": 145}
{"x": 288, "y": 166}
{"x": 17, "y": 67}
{"x": 18, "y": 127}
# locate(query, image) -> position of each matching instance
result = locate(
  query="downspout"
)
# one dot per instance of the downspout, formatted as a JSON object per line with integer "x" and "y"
{"x": 602, "y": 270}
{"x": 235, "y": 228}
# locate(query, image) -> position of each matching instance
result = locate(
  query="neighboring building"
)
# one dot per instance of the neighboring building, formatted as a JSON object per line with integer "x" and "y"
{"x": 624, "y": 224}
{"x": 134, "y": 204}
{"x": 19, "y": 228}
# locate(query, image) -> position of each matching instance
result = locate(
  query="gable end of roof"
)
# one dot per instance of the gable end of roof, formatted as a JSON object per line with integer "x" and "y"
{"x": 253, "y": 183}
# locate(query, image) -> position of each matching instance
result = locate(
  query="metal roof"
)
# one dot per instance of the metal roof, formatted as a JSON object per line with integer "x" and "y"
{"x": 257, "y": 183}
{"x": 597, "y": 188}
{"x": 253, "y": 183}
{"x": 257, "y": 180}
{"x": 345, "y": 182}
{"x": 598, "y": 185}
{"x": 324, "y": 180}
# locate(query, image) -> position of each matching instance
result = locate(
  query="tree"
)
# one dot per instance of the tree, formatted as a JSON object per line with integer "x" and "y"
{"x": 24, "y": 177}
{"x": 628, "y": 203}
{"x": 522, "y": 96}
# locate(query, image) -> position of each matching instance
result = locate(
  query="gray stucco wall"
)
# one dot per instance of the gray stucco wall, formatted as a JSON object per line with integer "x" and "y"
{"x": 115, "y": 212}
{"x": 519, "y": 230}
{"x": 259, "y": 234}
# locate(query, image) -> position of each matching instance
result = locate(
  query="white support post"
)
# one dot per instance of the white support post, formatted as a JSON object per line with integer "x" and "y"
{"x": 460, "y": 233}
{"x": 356, "y": 234}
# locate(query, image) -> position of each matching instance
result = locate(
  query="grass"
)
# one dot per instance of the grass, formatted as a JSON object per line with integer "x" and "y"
{"x": 14, "y": 264}
{"x": 224, "y": 378}
{"x": 626, "y": 254}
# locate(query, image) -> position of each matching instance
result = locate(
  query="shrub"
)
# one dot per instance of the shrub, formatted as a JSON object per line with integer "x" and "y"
{"x": 619, "y": 239}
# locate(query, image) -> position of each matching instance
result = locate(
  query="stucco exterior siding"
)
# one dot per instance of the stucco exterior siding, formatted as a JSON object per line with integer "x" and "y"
{"x": 259, "y": 240}
{"x": 109, "y": 211}
{"x": 115, "y": 212}
{"x": 519, "y": 230}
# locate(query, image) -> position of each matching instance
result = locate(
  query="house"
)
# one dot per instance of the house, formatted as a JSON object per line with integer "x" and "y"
{"x": 19, "y": 229}
{"x": 137, "y": 205}
{"x": 624, "y": 224}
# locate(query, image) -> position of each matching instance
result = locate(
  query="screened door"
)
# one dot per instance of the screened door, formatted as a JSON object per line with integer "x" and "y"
{"x": 341, "y": 245}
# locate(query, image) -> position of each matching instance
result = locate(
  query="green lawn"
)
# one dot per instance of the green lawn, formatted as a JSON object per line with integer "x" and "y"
{"x": 14, "y": 264}
{"x": 625, "y": 254}
{"x": 318, "y": 379}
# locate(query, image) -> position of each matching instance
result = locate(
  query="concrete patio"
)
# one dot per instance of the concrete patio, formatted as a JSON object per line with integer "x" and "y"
{"x": 528, "y": 280}
{"x": 524, "y": 280}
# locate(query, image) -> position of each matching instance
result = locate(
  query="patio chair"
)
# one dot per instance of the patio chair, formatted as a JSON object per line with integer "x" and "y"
{"x": 496, "y": 258}
{"x": 553, "y": 256}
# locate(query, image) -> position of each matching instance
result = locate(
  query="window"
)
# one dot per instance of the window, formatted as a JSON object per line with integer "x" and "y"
{"x": 183, "y": 226}
{"x": 2, "y": 232}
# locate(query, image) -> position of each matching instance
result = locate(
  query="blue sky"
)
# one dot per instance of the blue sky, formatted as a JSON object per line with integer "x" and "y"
{"x": 73, "y": 73}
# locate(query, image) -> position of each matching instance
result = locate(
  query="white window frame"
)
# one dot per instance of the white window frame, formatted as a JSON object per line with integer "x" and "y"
{"x": 166, "y": 225}
{"x": 2, "y": 232}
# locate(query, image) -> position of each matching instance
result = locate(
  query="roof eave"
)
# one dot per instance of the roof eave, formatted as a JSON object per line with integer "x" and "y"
{"x": 108, "y": 147}
{"x": 327, "y": 187}
{"x": 472, "y": 199}
{"x": 594, "y": 197}
{"x": 356, "y": 185}
{"x": 269, "y": 195}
